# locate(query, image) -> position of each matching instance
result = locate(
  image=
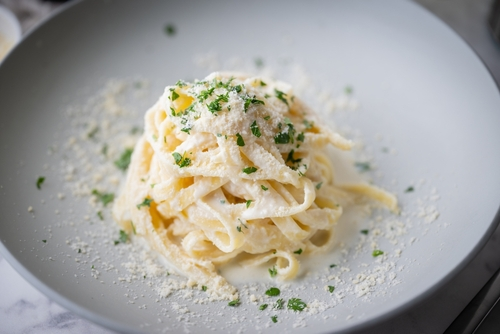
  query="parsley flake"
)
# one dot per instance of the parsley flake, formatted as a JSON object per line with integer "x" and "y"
{"x": 181, "y": 160}
{"x": 104, "y": 198}
{"x": 259, "y": 62}
{"x": 262, "y": 83}
{"x": 409, "y": 189}
{"x": 308, "y": 124}
{"x": 99, "y": 214}
{"x": 296, "y": 304}
{"x": 124, "y": 161}
{"x": 272, "y": 292}
{"x": 233, "y": 303}
{"x": 363, "y": 166}
{"x": 348, "y": 90}
{"x": 331, "y": 288}
{"x": 267, "y": 118}
{"x": 44, "y": 241}
{"x": 255, "y": 129}
{"x": 377, "y": 252}
{"x": 204, "y": 287}
{"x": 274, "y": 318}
{"x": 300, "y": 137}
{"x": 365, "y": 232}
{"x": 123, "y": 237}
{"x": 280, "y": 303}
{"x": 239, "y": 140}
{"x": 249, "y": 170}
{"x": 318, "y": 186}
{"x": 249, "y": 202}
{"x": 263, "y": 307}
{"x": 264, "y": 187}
{"x": 175, "y": 96}
{"x": 40, "y": 181}
{"x": 146, "y": 202}
{"x": 298, "y": 251}
{"x": 273, "y": 271}
{"x": 282, "y": 138}
{"x": 333, "y": 265}
{"x": 280, "y": 95}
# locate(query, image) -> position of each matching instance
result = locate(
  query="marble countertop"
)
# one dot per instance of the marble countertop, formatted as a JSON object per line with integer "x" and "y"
{"x": 23, "y": 309}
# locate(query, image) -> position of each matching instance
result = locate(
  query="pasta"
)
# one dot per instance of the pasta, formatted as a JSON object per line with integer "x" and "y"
{"x": 235, "y": 166}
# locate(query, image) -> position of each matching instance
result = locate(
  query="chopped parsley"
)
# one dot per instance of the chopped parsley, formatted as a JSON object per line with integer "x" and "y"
{"x": 44, "y": 241}
{"x": 267, "y": 118}
{"x": 175, "y": 96}
{"x": 249, "y": 202}
{"x": 264, "y": 187}
{"x": 104, "y": 198}
{"x": 280, "y": 95}
{"x": 331, "y": 288}
{"x": 180, "y": 83}
{"x": 133, "y": 227}
{"x": 282, "y": 138}
{"x": 263, "y": 307}
{"x": 146, "y": 202}
{"x": 205, "y": 94}
{"x": 409, "y": 189}
{"x": 135, "y": 130}
{"x": 377, "y": 252}
{"x": 181, "y": 160}
{"x": 214, "y": 106}
{"x": 333, "y": 265}
{"x": 365, "y": 232}
{"x": 93, "y": 132}
{"x": 233, "y": 303}
{"x": 248, "y": 100}
{"x": 239, "y": 140}
{"x": 318, "y": 186}
{"x": 79, "y": 250}
{"x": 300, "y": 137}
{"x": 99, "y": 214}
{"x": 348, "y": 90}
{"x": 291, "y": 159}
{"x": 280, "y": 303}
{"x": 123, "y": 237}
{"x": 298, "y": 251}
{"x": 363, "y": 166}
{"x": 104, "y": 149}
{"x": 249, "y": 170}
{"x": 274, "y": 318}
{"x": 272, "y": 292}
{"x": 296, "y": 304}
{"x": 308, "y": 124}
{"x": 124, "y": 160}
{"x": 273, "y": 271}
{"x": 204, "y": 287}
{"x": 40, "y": 181}
{"x": 170, "y": 29}
{"x": 262, "y": 83}
{"x": 255, "y": 129}
{"x": 186, "y": 130}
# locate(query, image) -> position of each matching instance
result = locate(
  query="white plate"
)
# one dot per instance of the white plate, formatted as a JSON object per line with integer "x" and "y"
{"x": 419, "y": 85}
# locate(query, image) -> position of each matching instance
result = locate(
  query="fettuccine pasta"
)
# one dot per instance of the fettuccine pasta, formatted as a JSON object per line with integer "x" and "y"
{"x": 235, "y": 166}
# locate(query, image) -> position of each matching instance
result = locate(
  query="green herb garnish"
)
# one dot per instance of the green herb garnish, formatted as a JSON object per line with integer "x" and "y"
{"x": 308, "y": 124}
{"x": 291, "y": 159}
{"x": 377, "y": 252}
{"x": 298, "y": 251}
{"x": 239, "y": 140}
{"x": 99, "y": 214}
{"x": 146, "y": 202}
{"x": 204, "y": 287}
{"x": 259, "y": 62}
{"x": 235, "y": 302}
{"x": 409, "y": 189}
{"x": 365, "y": 232}
{"x": 280, "y": 95}
{"x": 272, "y": 292}
{"x": 348, "y": 90}
{"x": 44, "y": 241}
{"x": 249, "y": 202}
{"x": 267, "y": 118}
{"x": 104, "y": 198}
{"x": 274, "y": 318}
{"x": 363, "y": 166}
{"x": 318, "y": 186}
{"x": 296, "y": 304}
{"x": 333, "y": 265}
{"x": 175, "y": 96}
{"x": 181, "y": 160}
{"x": 123, "y": 237}
{"x": 263, "y": 307}
{"x": 133, "y": 227}
{"x": 280, "y": 303}
{"x": 40, "y": 181}
{"x": 331, "y": 288}
{"x": 255, "y": 129}
{"x": 264, "y": 187}
{"x": 282, "y": 138}
{"x": 273, "y": 271}
{"x": 249, "y": 100}
{"x": 300, "y": 137}
{"x": 124, "y": 161}
{"x": 249, "y": 170}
